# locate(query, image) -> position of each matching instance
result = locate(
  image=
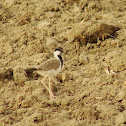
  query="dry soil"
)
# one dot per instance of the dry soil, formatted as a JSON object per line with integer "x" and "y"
{"x": 91, "y": 89}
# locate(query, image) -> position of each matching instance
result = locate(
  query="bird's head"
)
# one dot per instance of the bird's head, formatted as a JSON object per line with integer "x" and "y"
{"x": 58, "y": 51}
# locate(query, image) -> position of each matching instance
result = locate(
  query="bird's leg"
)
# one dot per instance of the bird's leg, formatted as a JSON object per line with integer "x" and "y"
{"x": 48, "y": 88}
{"x": 42, "y": 81}
{"x": 52, "y": 96}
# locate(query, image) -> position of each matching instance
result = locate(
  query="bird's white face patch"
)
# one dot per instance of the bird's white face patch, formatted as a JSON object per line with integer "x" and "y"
{"x": 56, "y": 53}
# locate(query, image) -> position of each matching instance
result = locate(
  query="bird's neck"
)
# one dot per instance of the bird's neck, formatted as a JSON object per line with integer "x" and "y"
{"x": 58, "y": 56}
{"x": 61, "y": 60}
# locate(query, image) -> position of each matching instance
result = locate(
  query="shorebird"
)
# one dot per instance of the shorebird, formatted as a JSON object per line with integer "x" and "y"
{"x": 50, "y": 68}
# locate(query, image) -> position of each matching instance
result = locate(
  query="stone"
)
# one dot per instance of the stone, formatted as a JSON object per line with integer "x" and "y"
{"x": 2, "y": 109}
{"x": 83, "y": 59}
{"x": 50, "y": 41}
{"x": 9, "y": 3}
{"x": 21, "y": 111}
{"x": 120, "y": 96}
{"x": 120, "y": 118}
{"x": 8, "y": 49}
{"x": 65, "y": 76}
{"x": 20, "y": 75}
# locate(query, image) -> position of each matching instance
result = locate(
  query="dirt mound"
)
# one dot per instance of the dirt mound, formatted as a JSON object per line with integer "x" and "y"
{"x": 91, "y": 89}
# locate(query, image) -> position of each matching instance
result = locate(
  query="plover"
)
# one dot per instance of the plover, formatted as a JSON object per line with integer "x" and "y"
{"x": 50, "y": 68}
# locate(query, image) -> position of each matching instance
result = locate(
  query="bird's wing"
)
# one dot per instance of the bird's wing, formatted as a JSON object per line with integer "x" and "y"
{"x": 49, "y": 64}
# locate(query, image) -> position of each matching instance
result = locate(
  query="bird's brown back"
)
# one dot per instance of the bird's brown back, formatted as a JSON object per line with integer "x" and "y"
{"x": 52, "y": 63}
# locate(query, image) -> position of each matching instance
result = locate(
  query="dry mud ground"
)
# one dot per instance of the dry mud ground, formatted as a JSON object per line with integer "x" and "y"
{"x": 91, "y": 89}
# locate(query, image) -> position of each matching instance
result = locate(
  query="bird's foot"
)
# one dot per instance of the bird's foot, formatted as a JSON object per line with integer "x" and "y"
{"x": 52, "y": 96}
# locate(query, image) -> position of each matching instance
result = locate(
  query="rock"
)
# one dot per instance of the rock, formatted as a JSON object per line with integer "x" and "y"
{"x": 76, "y": 8}
{"x": 20, "y": 97}
{"x": 77, "y": 30}
{"x": 94, "y": 5}
{"x": 5, "y": 73}
{"x": 1, "y": 84}
{"x": 9, "y": 3}
{"x": 21, "y": 111}
{"x": 120, "y": 96}
{"x": 91, "y": 5}
{"x": 83, "y": 3}
{"x": 89, "y": 32}
{"x": 120, "y": 118}
{"x": 42, "y": 24}
{"x": 115, "y": 42}
{"x": 85, "y": 81}
{"x": 116, "y": 60}
{"x": 112, "y": 92}
{"x": 124, "y": 83}
{"x": 84, "y": 94}
{"x": 20, "y": 76}
{"x": 124, "y": 103}
{"x": 26, "y": 103}
{"x": 83, "y": 59}
{"x": 65, "y": 76}
{"x": 50, "y": 42}
{"x": 8, "y": 49}
{"x": 124, "y": 114}
{"x": 2, "y": 109}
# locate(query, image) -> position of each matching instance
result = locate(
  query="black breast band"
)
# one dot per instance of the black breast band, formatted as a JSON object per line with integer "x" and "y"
{"x": 61, "y": 60}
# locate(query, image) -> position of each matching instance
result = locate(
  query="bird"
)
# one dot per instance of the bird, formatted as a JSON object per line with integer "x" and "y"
{"x": 49, "y": 69}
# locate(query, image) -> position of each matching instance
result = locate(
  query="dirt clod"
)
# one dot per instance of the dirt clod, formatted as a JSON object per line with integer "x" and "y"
{"x": 90, "y": 90}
